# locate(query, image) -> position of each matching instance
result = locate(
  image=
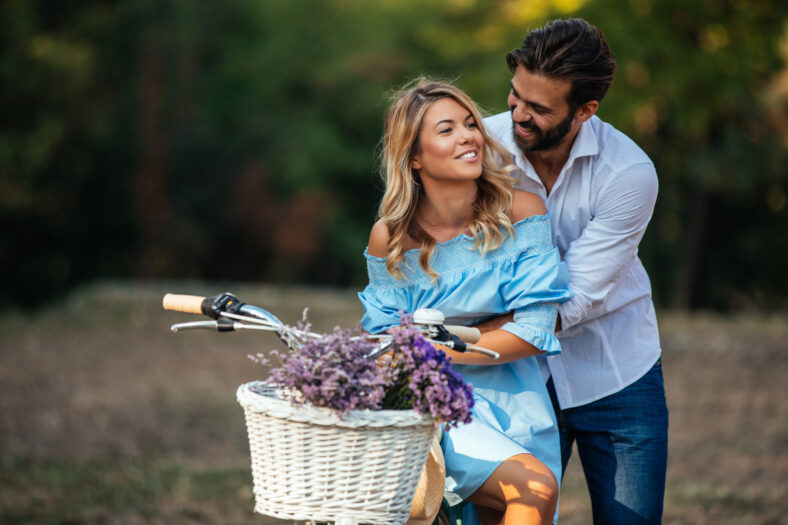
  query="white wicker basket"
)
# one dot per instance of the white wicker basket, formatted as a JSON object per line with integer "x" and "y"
{"x": 310, "y": 464}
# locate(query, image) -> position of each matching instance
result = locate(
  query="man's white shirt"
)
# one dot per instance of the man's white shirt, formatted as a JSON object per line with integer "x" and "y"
{"x": 599, "y": 208}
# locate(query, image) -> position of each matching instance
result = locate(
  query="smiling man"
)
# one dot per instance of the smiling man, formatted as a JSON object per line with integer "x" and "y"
{"x": 600, "y": 189}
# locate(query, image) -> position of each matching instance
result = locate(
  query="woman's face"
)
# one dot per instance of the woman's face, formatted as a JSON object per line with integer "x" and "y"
{"x": 451, "y": 144}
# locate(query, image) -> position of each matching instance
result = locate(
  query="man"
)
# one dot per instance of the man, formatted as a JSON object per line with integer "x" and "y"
{"x": 600, "y": 189}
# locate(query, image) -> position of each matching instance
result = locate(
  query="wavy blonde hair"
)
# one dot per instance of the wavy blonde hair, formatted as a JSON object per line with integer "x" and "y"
{"x": 403, "y": 187}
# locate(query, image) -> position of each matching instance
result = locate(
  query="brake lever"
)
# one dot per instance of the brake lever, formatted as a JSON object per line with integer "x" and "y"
{"x": 485, "y": 351}
{"x": 221, "y": 325}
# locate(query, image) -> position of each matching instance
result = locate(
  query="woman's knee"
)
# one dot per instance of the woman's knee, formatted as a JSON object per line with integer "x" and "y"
{"x": 548, "y": 489}
{"x": 536, "y": 486}
{"x": 521, "y": 480}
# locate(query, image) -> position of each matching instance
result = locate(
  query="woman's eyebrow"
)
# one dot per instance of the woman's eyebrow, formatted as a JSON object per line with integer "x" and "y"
{"x": 451, "y": 121}
{"x": 444, "y": 121}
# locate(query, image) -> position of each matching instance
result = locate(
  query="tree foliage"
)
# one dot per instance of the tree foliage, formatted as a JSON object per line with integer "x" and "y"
{"x": 237, "y": 140}
{"x": 692, "y": 89}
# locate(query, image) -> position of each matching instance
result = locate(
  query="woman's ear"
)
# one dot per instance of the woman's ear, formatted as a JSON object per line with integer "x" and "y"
{"x": 415, "y": 163}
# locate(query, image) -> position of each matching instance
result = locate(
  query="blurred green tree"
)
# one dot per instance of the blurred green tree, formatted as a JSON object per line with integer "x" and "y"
{"x": 237, "y": 140}
{"x": 692, "y": 89}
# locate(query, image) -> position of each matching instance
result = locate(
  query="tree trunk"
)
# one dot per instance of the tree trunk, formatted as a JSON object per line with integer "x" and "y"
{"x": 152, "y": 203}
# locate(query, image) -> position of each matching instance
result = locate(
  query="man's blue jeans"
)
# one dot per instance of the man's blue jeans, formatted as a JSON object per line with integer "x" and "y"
{"x": 622, "y": 441}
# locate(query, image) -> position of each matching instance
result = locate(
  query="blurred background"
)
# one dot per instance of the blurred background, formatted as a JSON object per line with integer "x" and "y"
{"x": 237, "y": 140}
{"x": 171, "y": 145}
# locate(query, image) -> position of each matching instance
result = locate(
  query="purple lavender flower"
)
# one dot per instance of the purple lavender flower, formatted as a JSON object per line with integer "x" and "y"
{"x": 333, "y": 371}
{"x": 424, "y": 379}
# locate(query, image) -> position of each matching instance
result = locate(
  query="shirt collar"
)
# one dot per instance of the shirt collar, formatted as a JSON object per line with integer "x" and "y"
{"x": 586, "y": 143}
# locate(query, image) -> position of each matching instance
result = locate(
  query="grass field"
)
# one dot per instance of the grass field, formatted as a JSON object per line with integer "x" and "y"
{"x": 108, "y": 417}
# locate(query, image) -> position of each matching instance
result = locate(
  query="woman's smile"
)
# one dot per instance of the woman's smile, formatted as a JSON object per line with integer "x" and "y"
{"x": 470, "y": 156}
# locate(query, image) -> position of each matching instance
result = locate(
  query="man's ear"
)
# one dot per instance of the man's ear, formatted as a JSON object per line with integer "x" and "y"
{"x": 586, "y": 111}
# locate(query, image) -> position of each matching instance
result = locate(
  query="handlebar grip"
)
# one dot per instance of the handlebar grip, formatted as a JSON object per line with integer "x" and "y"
{"x": 469, "y": 334}
{"x": 189, "y": 304}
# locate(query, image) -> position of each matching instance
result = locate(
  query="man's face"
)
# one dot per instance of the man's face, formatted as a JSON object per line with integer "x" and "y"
{"x": 541, "y": 116}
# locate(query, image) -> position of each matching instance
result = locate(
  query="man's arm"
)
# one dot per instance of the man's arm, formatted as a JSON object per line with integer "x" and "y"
{"x": 597, "y": 258}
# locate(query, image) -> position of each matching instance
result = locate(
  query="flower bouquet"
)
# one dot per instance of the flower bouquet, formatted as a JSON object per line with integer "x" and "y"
{"x": 337, "y": 436}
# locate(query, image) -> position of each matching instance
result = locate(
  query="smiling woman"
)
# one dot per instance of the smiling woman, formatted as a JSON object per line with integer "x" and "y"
{"x": 454, "y": 235}
{"x": 425, "y": 134}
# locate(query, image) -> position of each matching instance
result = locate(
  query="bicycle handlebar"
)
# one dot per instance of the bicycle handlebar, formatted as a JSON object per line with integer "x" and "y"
{"x": 226, "y": 307}
{"x": 468, "y": 334}
{"x": 213, "y": 307}
{"x": 196, "y": 304}
{"x": 188, "y": 304}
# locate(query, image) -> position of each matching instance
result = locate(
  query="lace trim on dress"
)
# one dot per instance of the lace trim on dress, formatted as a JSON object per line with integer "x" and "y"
{"x": 540, "y": 316}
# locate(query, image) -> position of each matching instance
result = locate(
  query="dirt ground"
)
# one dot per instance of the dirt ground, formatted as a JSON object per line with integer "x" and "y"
{"x": 108, "y": 417}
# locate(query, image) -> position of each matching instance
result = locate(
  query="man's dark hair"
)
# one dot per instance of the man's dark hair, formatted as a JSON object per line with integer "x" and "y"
{"x": 572, "y": 49}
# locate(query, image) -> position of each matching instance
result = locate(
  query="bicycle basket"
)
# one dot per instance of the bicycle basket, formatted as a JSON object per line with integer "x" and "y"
{"x": 310, "y": 464}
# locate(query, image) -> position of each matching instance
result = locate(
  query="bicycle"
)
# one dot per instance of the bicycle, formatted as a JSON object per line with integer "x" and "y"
{"x": 228, "y": 314}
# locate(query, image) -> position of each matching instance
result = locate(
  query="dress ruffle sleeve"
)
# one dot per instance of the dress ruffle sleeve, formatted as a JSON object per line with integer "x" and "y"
{"x": 538, "y": 284}
{"x": 382, "y": 302}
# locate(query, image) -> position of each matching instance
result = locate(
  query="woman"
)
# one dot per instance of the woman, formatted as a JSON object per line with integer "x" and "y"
{"x": 455, "y": 236}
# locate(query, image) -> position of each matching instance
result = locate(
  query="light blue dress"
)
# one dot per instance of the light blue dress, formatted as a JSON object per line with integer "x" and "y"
{"x": 512, "y": 412}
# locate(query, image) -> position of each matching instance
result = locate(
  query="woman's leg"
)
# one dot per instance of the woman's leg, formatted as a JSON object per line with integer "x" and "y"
{"x": 522, "y": 490}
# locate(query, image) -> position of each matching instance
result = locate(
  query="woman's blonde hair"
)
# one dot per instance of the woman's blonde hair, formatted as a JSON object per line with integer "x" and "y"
{"x": 403, "y": 187}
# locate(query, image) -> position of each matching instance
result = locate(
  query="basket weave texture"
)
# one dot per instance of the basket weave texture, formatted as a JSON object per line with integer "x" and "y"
{"x": 310, "y": 464}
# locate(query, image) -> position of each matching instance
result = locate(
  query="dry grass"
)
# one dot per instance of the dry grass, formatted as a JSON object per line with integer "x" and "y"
{"x": 107, "y": 417}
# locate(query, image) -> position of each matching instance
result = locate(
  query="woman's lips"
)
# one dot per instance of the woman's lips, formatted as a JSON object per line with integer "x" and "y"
{"x": 469, "y": 156}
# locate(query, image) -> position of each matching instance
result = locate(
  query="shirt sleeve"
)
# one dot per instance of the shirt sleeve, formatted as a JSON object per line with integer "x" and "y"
{"x": 539, "y": 283}
{"x": 598, "y": 258}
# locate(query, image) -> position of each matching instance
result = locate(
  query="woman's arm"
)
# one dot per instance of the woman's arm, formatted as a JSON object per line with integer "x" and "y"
{"x": 505, "y": 343}
{"x": 378, "y": 240}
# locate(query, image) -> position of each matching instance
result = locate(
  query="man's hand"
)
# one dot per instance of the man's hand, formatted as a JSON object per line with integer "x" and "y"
{"x": 495, "y": 323}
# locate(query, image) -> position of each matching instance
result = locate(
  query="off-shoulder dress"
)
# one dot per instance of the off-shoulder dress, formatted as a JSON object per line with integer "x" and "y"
{"x": 512, "y": 413}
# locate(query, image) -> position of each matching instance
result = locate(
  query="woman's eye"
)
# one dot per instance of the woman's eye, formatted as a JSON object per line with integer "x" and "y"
{"x": 445, "y": 131}
{"x": 472, "y": 125}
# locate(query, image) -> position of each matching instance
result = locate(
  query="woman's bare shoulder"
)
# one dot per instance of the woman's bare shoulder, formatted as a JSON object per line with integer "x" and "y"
{"x": 525, "y": 204}
{"x": 378, "y": 240}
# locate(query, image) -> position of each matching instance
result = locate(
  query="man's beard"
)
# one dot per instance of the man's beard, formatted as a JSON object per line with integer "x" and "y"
{"x": 543, "y": 140}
